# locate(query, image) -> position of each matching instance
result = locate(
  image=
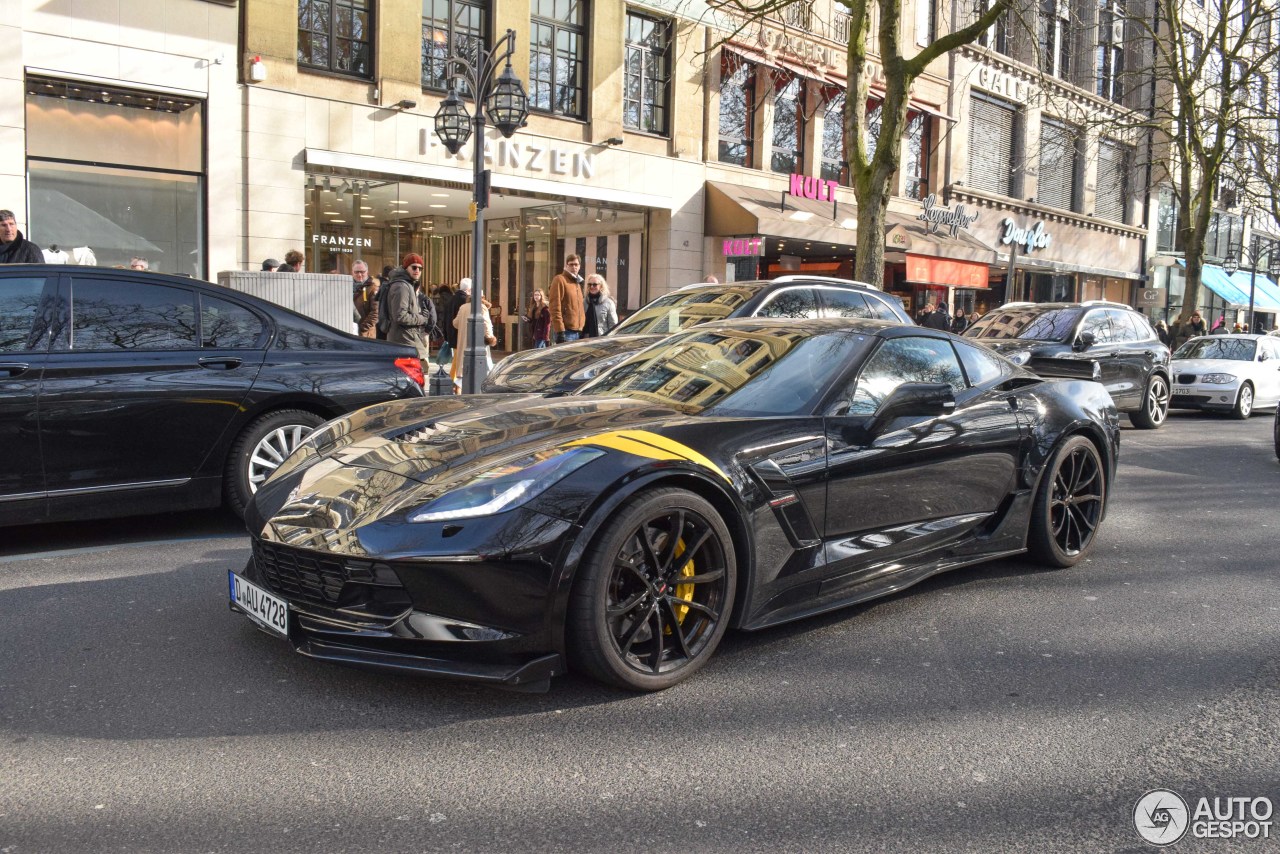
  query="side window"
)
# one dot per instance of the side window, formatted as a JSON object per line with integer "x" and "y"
{"x": 111, "y": 314}
{"x": 1122, "y": 326}
{"x": 24, "y": 319}
{"x": 1099, "y": 324}
{"x": 838, "y": 303}
{"x": 227, "y": 326}
{"x": 982, "y": 366}
{"x": 1143, "y": 326}
{"x": 904, "y": 360}
{"x": 882, "y": 310}
{"x": 792, "y": 302}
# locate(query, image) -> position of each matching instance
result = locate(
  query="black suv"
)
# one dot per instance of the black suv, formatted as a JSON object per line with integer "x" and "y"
{"x": 125, "y": 392}
{"x": 1134, "y": 365}
{"x": 563, "y": 368}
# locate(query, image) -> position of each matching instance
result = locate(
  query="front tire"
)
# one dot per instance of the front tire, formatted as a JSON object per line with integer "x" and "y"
{"x": 1070, "y": 503}
{"x": 260, "y": 449}
{"x": 1155, "y": 405}
{"x": 1244, "y": 403}
{"x": 654, "y": 592}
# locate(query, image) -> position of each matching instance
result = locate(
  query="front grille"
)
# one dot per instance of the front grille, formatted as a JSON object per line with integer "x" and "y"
{"x": 1186, "y": 379}
{"x": 316, "y": 577}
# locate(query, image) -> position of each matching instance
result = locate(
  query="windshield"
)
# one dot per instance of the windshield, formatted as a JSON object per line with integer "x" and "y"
{"x": 1232, "y": 349}
{"x": 1036, "y": 324}
{"x": 689, "y": 307}
{"x": 742, "y": 372}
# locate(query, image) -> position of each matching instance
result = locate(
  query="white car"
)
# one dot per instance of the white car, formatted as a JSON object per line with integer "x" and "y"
{"x": 1228, "y": 373}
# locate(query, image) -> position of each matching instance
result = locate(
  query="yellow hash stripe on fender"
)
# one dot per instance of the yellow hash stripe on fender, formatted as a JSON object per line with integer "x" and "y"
{"x": 643, "y": 443}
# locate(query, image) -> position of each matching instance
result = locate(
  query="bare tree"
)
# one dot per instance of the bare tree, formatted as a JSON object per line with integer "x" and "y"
{"x": 871, "y": 171}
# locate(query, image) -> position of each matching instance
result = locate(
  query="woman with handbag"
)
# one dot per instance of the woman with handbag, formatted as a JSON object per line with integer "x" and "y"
{"x": 462, "y": 323}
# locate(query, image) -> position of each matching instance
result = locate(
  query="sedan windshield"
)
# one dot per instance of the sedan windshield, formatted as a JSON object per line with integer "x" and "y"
{"x": 743, "y": 372}
{"x": 687, "y": 307}
{"x": 1231, "y": 349}
{"x": 1033, "y": 324}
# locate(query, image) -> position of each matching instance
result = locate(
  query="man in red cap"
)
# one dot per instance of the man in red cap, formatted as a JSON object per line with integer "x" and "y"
{"x": 409, "y": 320}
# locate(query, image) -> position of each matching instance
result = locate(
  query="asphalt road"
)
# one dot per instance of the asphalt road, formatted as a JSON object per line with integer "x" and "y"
{"x": 1001, "y": 708}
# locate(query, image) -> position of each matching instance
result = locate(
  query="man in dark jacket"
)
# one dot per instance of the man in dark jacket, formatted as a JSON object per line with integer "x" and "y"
{"x": 409, "y": 319}
{"x": 14, "y": 248}
{"x": 938, "y": 319}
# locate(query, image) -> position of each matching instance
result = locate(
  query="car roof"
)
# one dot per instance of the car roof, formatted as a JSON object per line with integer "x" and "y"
{"x": 1047, "y": 306}
{"x": 818, "y": 325}
{"x": 829, "y": 281}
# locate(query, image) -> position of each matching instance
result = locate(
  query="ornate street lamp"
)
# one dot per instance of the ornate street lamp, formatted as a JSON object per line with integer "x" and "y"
{"x": 504, "y": 100}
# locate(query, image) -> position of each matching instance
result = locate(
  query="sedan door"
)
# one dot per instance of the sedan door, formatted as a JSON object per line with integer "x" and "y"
{"x": 27, "y": 313}
{"x": 1267, "y": 370}
{"x": 924, "y": 480}
{"x": 132, "y": 397}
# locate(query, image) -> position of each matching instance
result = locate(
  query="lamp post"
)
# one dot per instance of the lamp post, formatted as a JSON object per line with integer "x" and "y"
{"x": 503, "y": 98}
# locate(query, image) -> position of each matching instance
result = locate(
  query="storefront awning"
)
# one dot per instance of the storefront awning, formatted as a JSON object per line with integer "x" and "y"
{"x": 1216, "y": 279}
{"x": 907, "y": 234}
{"x": 1266, "y": 294}
{"x": 732, "y": 210}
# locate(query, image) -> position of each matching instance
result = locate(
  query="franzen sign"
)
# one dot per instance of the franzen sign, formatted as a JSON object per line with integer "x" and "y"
{"x": 522, "y": 155}
{"x": 337, "y": 243}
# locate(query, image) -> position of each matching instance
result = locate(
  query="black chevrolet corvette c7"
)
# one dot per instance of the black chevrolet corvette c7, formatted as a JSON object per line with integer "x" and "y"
{"x": 742, "y": 474}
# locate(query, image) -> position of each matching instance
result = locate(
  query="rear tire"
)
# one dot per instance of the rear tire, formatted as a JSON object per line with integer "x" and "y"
{"x": 1155, "y": 405}
{"x": 1244, "y": 403}
{"x": 260, "y": 449}
{"x": 654, "y": 592}
{"x": 1070, "y": 503}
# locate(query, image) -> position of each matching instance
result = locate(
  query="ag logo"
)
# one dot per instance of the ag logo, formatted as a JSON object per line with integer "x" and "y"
{"x": 1161, "y": 817}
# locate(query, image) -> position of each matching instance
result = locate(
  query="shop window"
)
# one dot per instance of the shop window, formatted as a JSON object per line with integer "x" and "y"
{"x": 737, "y": 109}
{"x": 991, "y": 145}
{"x": 1110, "y": 63}
{"x": 558, "y": 57}
{"x": 647, "y": 74}
{"x": 336, "y": 35}
{"x": 995, "y": 37}
{"x": 916, "y": 165}
{"x": 116, "y": 173}
{"x": 1167, "y": 221}
{"x": 1113, "y": 180}
{"x": 1058, "y": 165}
{"x": 1054, "y": 27}
{"x": 833, "y": 165}
{"x": 788, "y": 124}
{"x": 470, "y": 23}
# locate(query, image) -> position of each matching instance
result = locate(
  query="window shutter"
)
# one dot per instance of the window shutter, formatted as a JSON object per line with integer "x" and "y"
{"x": 991, "y": 145}
{"x": 1113, "y": 180}
{"x": 1057, "y": 166}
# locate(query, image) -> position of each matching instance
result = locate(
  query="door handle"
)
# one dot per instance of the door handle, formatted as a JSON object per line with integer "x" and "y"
{"x": 13, "y": 369}
{"x": 224, "y": 363}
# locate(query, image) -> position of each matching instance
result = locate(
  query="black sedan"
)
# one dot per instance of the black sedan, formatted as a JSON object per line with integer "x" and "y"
{"x": 741, "y": 474}
{"x": 125, "y": 392}
{"x": 565, "y": 367}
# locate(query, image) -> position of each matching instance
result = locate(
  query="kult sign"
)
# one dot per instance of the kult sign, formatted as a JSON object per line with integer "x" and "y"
{"x": 809, "y": 187}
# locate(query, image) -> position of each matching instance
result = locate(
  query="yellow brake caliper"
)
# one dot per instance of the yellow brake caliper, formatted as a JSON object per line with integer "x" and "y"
{"x": 683, "y": 591}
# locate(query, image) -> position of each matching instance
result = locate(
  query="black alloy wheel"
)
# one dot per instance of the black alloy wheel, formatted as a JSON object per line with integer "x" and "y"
{"x": 1244, "y": 403}
{"x": 1155, "y": 405}
{"x": 654, "y": 592}
{"x": 1069, "y": 506}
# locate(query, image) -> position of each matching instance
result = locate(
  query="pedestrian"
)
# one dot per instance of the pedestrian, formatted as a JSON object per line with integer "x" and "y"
{"x": 711, "y": 280}
{"x": 564, "y": 298}
{"x": 539, "y": 319}
{"x": 938, "y": 318}
{"x": 14, "y": 248}
{"x": 1162, "y": 332}
{"x": 1196, "y": 325}
{"x": 294, "y": 262}
{"x": 959, "y": 323}
{"x": 600, "y": 310}
{"x": 456, "y": 302}
{"x": 409, "y": 320}
{"x": 138, "y": 263}
{"x": 462, "y": 325}
{"x": 364, "y": 296}
{"x": 1219, "y": 326}
{"x": 922, "y": 316}
{"x": 1236, "y": 328}
{"x": 270, "y": 265}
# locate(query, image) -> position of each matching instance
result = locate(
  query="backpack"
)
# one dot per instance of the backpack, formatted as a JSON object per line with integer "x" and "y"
{"x": 384, "y": 309}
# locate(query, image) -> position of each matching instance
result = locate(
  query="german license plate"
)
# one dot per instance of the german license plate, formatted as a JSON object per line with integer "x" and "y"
{"x": 270, "y": 612}
{"x": 1178, "y": 390}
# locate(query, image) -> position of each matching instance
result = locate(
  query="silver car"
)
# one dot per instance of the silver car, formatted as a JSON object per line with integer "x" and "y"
{"x": 1227, "y": 373}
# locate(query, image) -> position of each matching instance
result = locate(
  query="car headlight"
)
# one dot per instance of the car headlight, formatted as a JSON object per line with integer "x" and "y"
{"x": 595, "y": 369}
{"x": 1019, "y": 358}
{"x": 507, "y": 486}
{"x": 1218, "y": 379}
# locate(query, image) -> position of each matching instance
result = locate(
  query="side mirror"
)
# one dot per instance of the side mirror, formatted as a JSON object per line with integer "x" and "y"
{"x": 1083, "y": 341}
{"x": 912, "y": 399}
